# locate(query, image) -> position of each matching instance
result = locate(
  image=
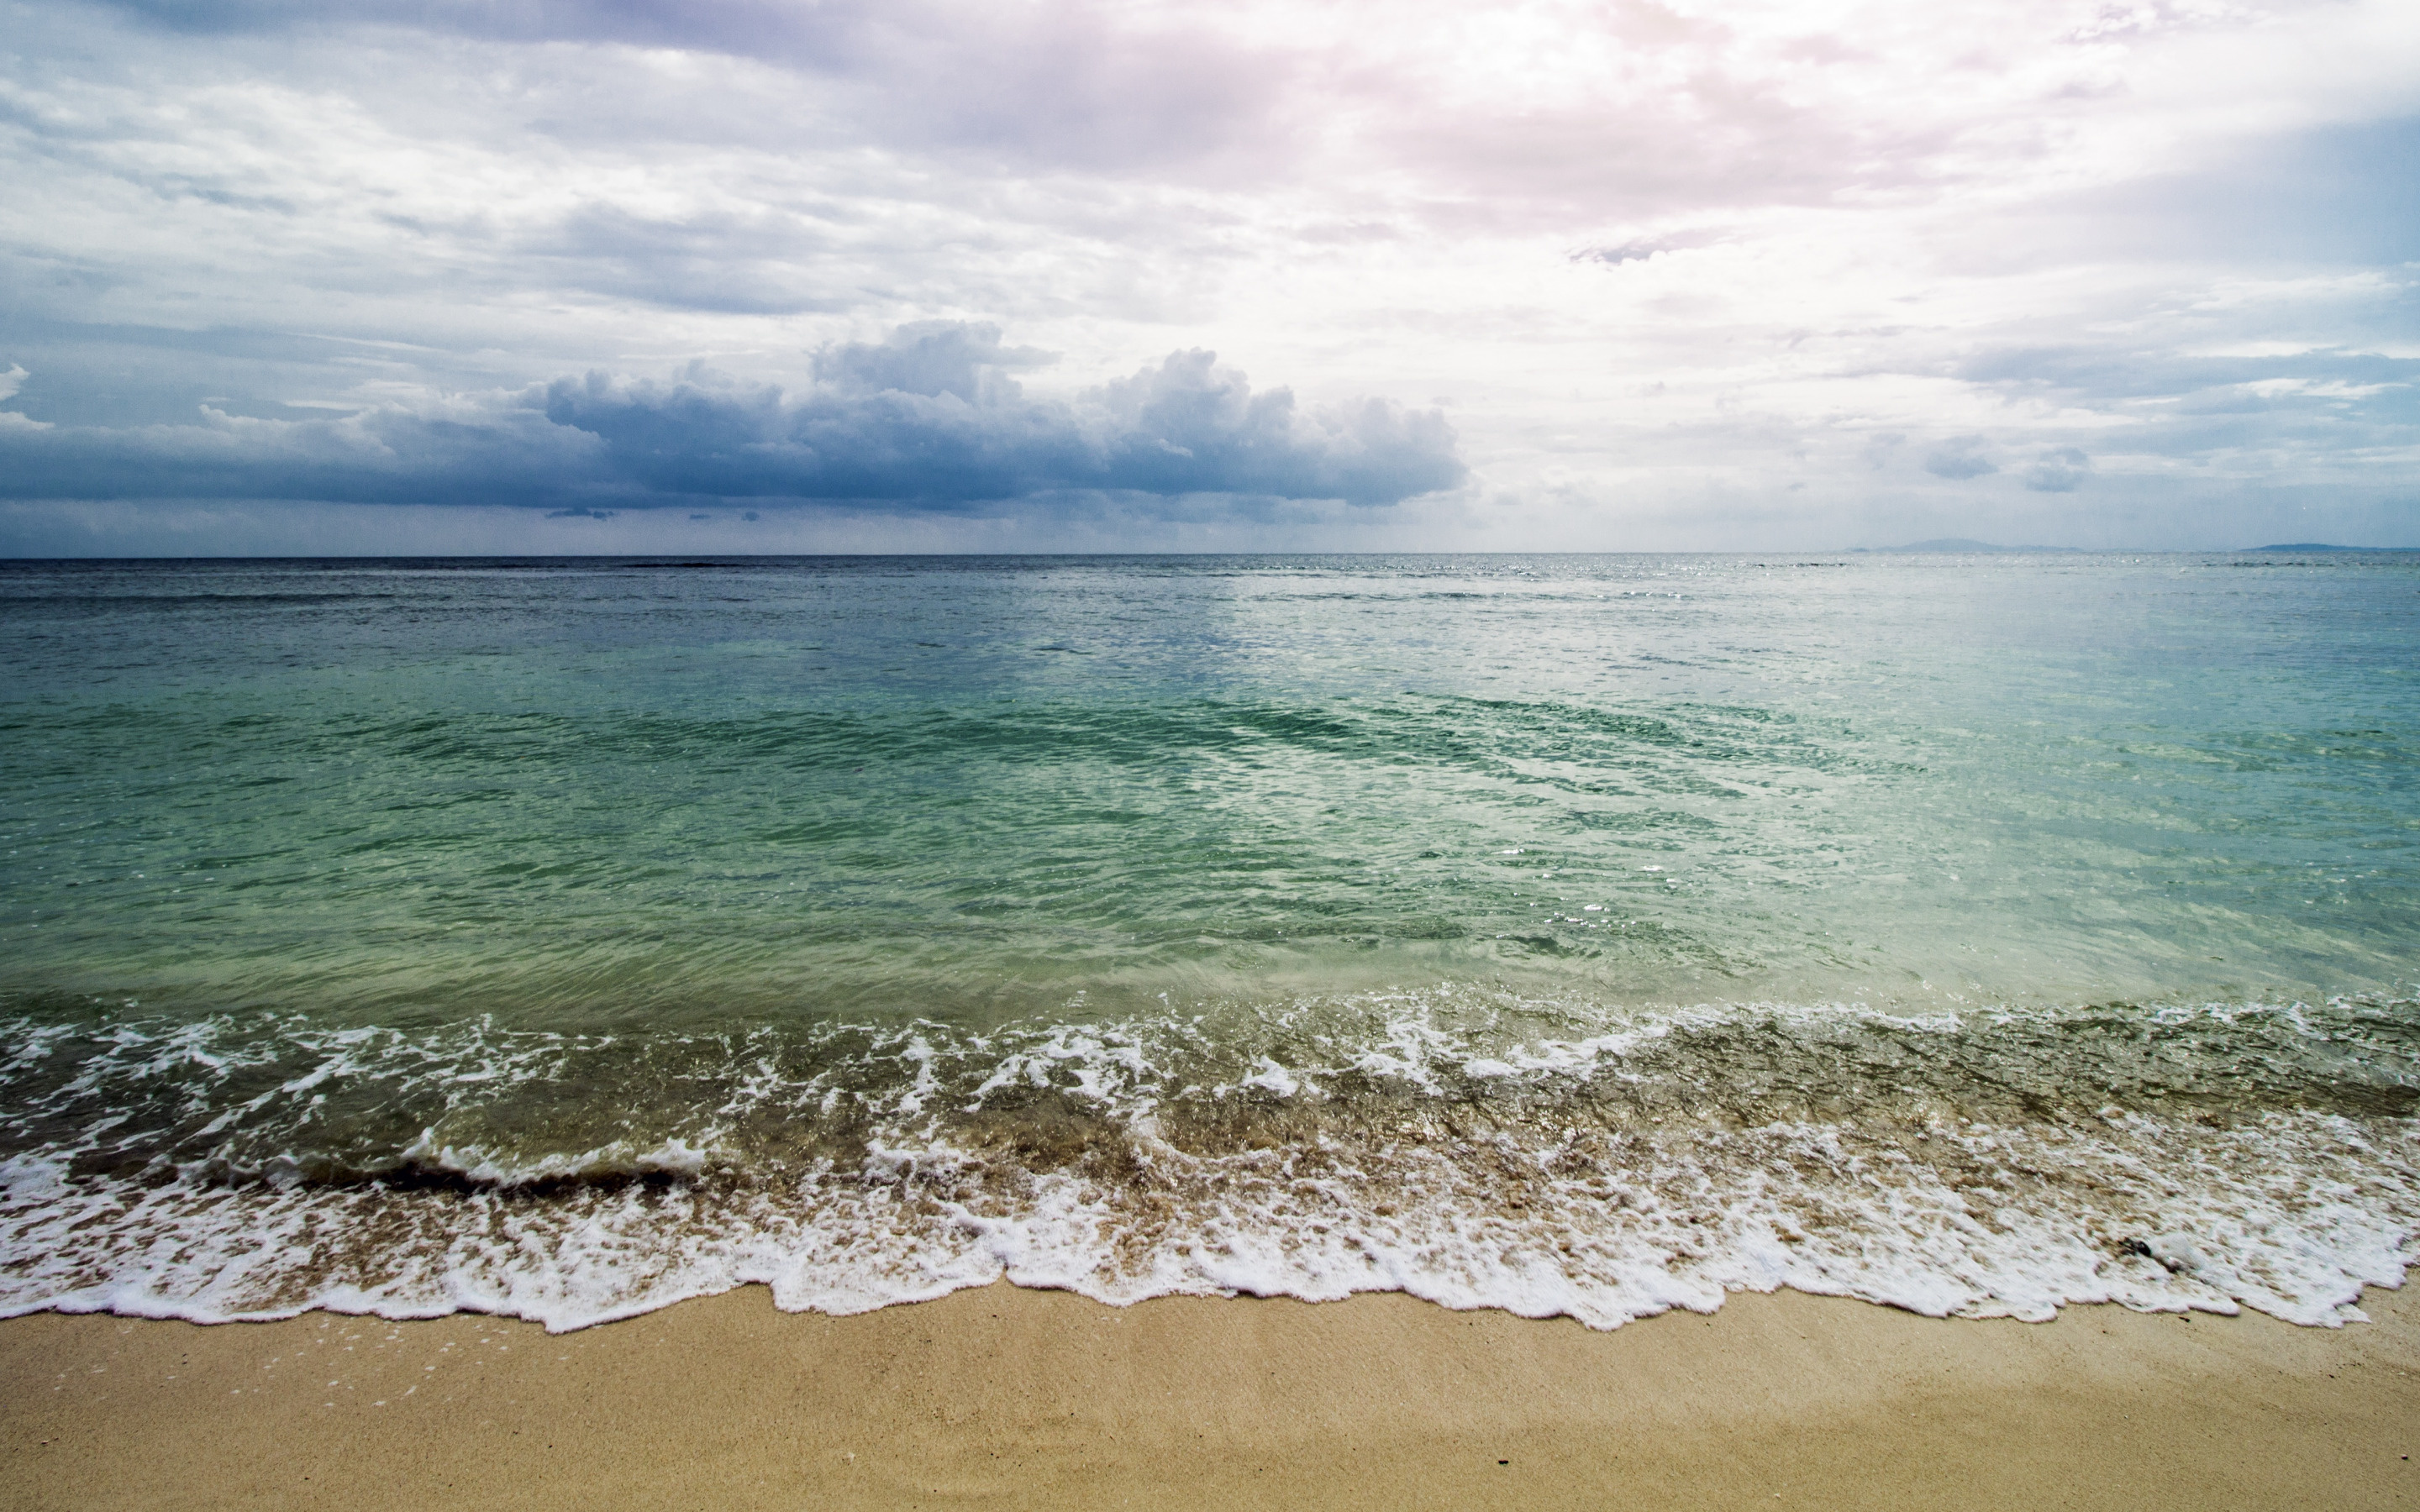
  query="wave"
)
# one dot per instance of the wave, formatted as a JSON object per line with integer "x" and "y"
{"x": 1473, "y": 1148}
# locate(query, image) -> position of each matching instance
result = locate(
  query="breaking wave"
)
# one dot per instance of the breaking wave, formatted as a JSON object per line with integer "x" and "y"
{"x": 1469, "y": 1146}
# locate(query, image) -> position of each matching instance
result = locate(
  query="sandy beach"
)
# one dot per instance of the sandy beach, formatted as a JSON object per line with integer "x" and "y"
{"x": 1013, "y": 1397}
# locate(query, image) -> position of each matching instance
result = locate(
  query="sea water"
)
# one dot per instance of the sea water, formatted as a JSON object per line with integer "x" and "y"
{"x": 1579, "y": 935}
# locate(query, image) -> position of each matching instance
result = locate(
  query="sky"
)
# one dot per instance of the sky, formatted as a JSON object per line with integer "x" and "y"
{"x": 569, "y": 276}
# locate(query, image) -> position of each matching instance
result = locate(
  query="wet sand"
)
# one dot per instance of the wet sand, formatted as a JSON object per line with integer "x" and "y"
{"x": 1007, "y": 1397}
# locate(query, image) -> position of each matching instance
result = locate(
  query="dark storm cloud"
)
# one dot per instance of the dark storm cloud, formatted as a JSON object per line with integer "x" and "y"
{"x": 488, "y": 454}
{"x": 929, "y": 420}
{"x": 931, "y": 417}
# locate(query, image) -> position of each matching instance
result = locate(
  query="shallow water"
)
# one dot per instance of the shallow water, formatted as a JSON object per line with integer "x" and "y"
{"x": 1580, "y": 934}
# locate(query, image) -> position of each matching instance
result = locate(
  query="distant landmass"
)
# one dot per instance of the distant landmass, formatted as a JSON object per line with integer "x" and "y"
{"x": 1959, "y": 544}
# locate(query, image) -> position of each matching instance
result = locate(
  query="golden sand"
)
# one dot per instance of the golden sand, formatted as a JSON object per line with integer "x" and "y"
{"x": 1008, "y": 1397}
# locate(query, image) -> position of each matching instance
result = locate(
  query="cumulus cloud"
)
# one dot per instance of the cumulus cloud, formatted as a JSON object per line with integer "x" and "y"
{"x": 931, "y": 357}
{"x": 931, "y": 418}
{"x": 1668, "y": 257}
{"x": 2061, "y": 470}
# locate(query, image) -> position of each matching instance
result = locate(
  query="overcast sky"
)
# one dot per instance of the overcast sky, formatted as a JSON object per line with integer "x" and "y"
{"x": 602, "y": 275}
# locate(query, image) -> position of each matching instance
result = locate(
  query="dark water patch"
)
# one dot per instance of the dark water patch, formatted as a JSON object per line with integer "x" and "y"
{"x": 33, "y": 605}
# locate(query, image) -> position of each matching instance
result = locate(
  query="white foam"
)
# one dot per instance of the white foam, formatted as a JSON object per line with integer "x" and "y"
{"x": 1271, "y": 1078}
{"x": 2292, "y": 1212}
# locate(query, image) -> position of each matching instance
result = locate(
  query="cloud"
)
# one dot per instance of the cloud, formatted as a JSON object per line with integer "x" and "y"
{"x": 2062, "y": 470}
{"x": 2305, "y": 197}
{"x": 1099, "y": 88}
{"x": 1639, "y": 249}
{"x": 1669, "y": 259}
{"x": 716, "y": 261}
{"x": 1959, "y": 459}
{"x": 930, "y": 357}
{"x": 929, "y": 419}
{"x": 2302, "y": 415}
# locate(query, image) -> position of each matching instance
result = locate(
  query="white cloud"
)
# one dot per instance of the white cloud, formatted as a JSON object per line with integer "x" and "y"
{"x": 1679, "y": 264}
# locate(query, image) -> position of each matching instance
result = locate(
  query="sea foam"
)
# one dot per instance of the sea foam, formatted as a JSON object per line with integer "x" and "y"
{"x": 1451, "y": 1146}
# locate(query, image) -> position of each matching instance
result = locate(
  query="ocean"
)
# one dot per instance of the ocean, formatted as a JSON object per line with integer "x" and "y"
{"x": 1579, "y": 935}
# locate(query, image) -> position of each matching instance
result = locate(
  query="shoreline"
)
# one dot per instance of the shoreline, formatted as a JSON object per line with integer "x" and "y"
{"x": 1002, "y": 1396}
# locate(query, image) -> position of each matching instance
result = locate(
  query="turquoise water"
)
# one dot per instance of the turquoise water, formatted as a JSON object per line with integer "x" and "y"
{"x": 561, "y": 937}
